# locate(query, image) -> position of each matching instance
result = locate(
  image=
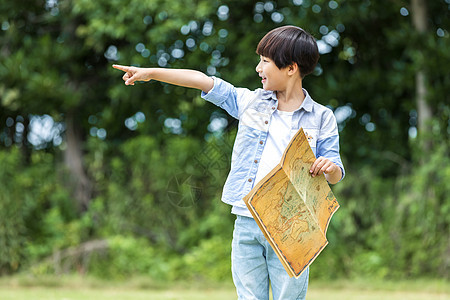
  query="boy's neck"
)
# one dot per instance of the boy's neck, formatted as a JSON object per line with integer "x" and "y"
{"x": 292, "y": 97}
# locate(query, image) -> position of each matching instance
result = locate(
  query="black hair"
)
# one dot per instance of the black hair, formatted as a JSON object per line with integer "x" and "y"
{"x": 290, "y": 44}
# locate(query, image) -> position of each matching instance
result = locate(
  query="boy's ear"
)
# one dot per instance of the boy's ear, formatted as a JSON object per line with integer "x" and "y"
{"x": 293, "y": 68}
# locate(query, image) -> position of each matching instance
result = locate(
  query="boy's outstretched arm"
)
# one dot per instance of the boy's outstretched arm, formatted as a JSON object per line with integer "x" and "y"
{"x": 181, "y": 77}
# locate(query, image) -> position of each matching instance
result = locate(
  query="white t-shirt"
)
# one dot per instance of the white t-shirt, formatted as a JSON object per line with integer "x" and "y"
{"x": 279, "y": 136}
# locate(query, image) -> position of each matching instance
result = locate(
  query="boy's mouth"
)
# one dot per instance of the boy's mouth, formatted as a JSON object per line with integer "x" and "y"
{"x": 263, "y": 79}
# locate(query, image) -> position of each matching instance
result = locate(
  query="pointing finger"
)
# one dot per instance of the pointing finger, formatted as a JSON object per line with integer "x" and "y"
{"x": 122, "y": 68}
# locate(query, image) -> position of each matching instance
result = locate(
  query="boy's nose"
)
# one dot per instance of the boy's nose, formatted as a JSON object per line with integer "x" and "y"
{"x": 258, "y": 67}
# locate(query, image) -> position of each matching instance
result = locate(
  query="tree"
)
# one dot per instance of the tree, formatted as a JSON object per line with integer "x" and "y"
{"x": 384, "y": 79}
{"x": 419, "y": 18}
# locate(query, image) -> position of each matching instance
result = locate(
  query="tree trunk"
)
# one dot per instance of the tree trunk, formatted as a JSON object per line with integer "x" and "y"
{"x": 26, "y": 147}
{"x": 73, "y": 157}
{"x": 419, "y": 17}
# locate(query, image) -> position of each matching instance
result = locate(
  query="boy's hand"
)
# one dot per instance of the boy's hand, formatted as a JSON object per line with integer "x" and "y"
{"x": 324, "y": 165}
{"x": 133, "y": 74}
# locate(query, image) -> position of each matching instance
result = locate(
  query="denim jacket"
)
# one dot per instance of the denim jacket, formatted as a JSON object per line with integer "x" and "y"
{"x": 254, "y": 109}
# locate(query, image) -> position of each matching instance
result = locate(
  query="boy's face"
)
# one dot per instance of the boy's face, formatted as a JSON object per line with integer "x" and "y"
{"x": 273, "y": 79}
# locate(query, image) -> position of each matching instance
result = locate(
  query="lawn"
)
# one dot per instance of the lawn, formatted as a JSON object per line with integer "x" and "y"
{"x": 90, "y": 289}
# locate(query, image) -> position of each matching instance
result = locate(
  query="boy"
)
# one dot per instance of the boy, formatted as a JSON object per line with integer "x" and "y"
{"x": 268, "y": 119}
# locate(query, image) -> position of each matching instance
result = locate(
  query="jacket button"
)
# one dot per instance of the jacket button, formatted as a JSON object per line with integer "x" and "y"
{"x": 261, "y": 142}
{"x": 249, "y": 180}
{"x": 266, "y": 122}
{"x": 256, "y": 161}
{"x": 273, "y": 107}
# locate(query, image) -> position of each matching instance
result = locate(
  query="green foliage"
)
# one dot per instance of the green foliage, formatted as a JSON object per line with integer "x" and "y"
{"x": 156, "y": 188}
{"x": 422, "y": 218}
{"x": 12, "y": 225}
{"x": 210, "y": 260}
{"x": 128, "y": 256}
{"x": 125, "y": 257}
{"x": 35, "y": 211}
{"x": 391, "y": 228}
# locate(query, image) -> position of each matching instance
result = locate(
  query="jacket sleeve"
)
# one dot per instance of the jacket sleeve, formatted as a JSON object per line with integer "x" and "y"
{"x": 328, "y": 141}
{"x": 227, "y": 97}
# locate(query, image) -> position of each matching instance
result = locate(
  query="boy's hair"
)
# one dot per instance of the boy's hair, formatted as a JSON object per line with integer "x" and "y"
{"x": 290, "y": 44}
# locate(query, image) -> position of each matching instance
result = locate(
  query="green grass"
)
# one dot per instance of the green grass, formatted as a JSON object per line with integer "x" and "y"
{"x": 76, "y": 288}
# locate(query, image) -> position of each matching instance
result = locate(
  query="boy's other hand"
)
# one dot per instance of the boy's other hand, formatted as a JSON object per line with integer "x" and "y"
{"x": 132, "y": 74}
{"x": 323, "y": 165}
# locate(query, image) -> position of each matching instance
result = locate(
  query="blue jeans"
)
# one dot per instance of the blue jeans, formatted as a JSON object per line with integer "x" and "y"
{"x": 254, "y": 264}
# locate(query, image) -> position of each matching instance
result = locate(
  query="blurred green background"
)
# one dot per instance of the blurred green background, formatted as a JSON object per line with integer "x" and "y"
{"x": 111, "y": 181}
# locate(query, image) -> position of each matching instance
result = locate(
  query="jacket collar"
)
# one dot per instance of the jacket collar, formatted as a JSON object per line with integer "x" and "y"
{"x": 307, "y": 103}
{"x": 269, "y": 95}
